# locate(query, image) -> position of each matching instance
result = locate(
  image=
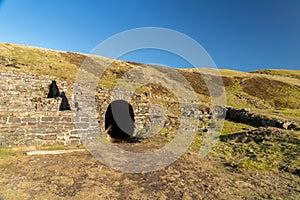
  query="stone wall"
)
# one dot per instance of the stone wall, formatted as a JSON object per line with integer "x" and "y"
{"x": 247, "y": 117}
{"x": 27, "y": 117}
{"x": 21, "y": 92}
{"x": 140, "y": 104}
{"x": 37, "y": 128}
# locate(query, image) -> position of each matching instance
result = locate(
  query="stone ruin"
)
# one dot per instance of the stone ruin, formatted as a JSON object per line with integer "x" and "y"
{"x": 32, "y": 113}
{"x": 28, "y": 117}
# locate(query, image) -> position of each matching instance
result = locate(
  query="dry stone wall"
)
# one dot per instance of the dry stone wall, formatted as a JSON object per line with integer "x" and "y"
{"x": 245, "y": 116}
{"x": 27, "y": 117}
{"x": 139, "y": 103}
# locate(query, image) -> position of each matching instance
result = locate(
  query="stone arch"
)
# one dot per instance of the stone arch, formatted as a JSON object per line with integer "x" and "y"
{"x": 119, "y": 120}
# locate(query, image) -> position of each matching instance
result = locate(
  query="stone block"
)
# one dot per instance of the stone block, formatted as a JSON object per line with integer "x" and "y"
{"x": 74, "y": 142}
{"x": 3, "y": 120}
{"x": 47, "y": 119}
{"x": 66, "y": 119}
{"x": 52, "y": 130}
{"x": 32, "y": 123}
{"x": 20, "y": 132}
{"x": 73, "y": 132}
{"x": 14, "y": 120}
{"x": 47, "y": 136}
{"x": 56, "y": 119}
{"x": 82, "y": 125}
{"x": 84, "y": 119}
{"x": 74, "y": 137}
{"x": 68, "y": 126}
{"x": 33, "y": 132}
{"x": 28, "y": 119}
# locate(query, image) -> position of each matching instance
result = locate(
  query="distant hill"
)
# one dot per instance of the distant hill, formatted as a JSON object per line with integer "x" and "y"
{"x": 280, "y": 72}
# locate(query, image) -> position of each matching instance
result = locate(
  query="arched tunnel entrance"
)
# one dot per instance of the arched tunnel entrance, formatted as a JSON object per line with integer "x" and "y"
{"x": 119, "y": 120}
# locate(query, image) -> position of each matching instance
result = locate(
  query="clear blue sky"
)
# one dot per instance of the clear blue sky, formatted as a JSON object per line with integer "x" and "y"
{"x": 238, "y": 34}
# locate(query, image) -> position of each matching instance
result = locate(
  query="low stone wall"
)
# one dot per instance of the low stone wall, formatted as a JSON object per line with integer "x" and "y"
{"x": 245, "y": 116}
{"x": 37, "y": 128}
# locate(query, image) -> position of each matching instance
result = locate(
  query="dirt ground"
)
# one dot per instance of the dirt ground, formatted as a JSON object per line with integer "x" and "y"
{"x": 80, "y": 176}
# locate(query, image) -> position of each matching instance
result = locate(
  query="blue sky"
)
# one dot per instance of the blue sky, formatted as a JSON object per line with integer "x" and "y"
{"x": 238, "y": 34}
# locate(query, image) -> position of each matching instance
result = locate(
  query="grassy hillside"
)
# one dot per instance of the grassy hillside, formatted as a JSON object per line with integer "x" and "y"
{"x": 40, "y": 61}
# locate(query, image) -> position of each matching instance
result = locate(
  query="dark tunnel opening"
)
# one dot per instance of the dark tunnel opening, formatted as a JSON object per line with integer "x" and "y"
{"x": 119, "y": 120}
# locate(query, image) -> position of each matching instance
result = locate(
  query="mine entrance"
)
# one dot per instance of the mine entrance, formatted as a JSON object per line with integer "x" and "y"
{"x": 119, "y": 120}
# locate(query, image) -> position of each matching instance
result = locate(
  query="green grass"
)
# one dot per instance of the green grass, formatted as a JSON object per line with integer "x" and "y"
{"x": 293, "y": 113}
{"x": 5, "y": 151}
{"x": 233, "y": 127}
{"x": 263, "y": 150}
{"x": 39, "y": 61}
{"x": 271, "y": 98}
{"x": 58, "y": 147}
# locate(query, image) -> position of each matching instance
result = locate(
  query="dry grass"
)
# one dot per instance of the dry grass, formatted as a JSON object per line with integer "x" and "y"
{"x": 285, "y": 73}
{"x": 39, "y": 61}
{"x": 280, "y": 94}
